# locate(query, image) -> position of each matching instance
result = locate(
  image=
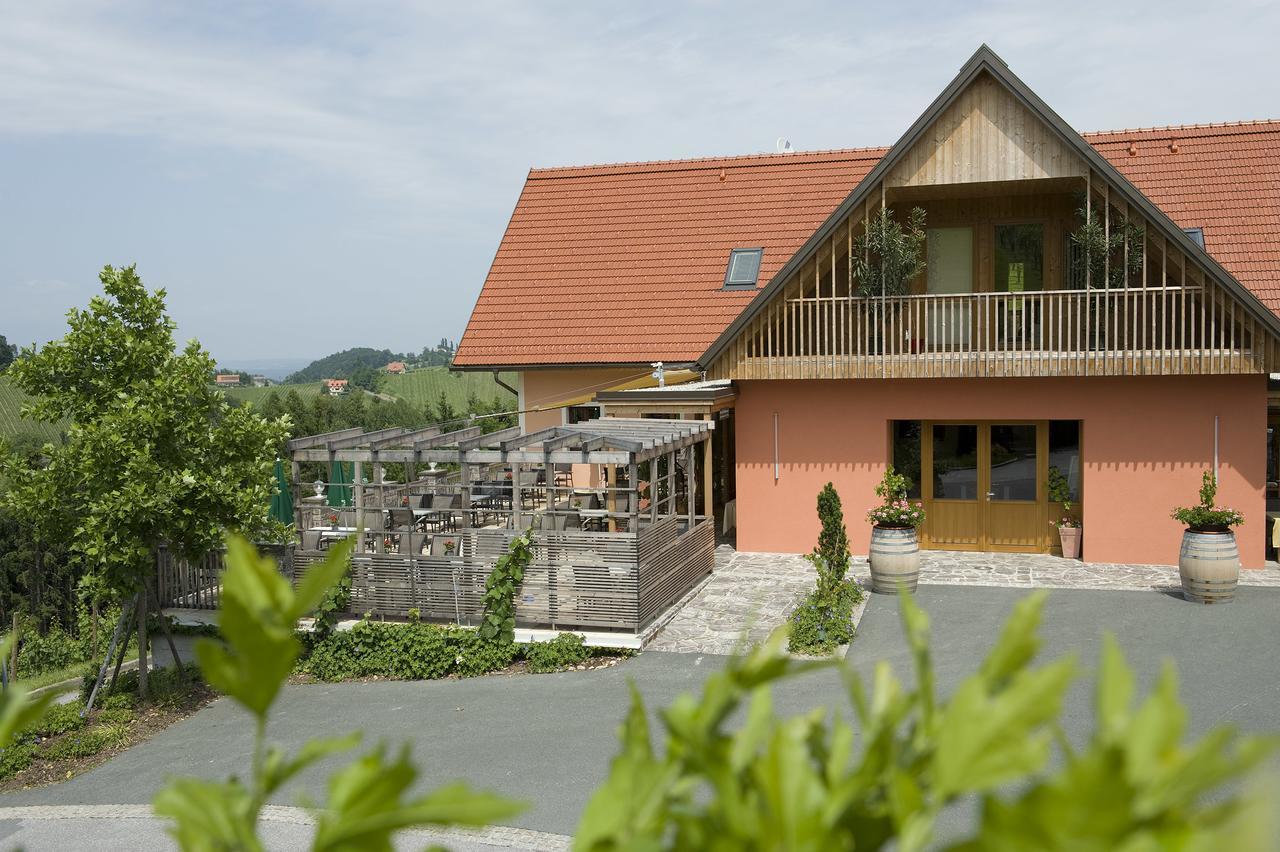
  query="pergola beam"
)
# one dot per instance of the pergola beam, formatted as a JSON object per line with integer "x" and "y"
{"x": 321, "y": 440}
{"x": 405, "y": 438}
{"x": 366, "y": 438}
{"x": 447, "y": 439}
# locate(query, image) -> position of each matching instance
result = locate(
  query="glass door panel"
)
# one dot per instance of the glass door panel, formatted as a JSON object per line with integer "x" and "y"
{"x": 954, "y": 509}
{"x": 1014, "y": 478}
{"x": 1019, "y": 268}
{"x": 950, "y": 272}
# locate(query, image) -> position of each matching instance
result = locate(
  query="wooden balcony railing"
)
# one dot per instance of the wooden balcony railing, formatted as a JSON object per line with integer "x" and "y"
{"x": 1133, "y": 331}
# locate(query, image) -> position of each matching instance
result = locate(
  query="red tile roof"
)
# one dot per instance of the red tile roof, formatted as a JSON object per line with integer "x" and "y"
{"x": 625, "y": 263}
{"x": 1224, "y": 178}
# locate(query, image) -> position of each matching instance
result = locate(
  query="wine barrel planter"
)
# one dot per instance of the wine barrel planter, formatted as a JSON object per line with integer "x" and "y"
{"x": 895, "y": 559}
{"x": 1209, "y": 565}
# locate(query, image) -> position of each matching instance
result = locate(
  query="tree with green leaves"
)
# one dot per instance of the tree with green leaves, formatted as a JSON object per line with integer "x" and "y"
{"x": 889, "y": 254}
{"x": 8, "y": 352}
{"x": 154, "y": 455}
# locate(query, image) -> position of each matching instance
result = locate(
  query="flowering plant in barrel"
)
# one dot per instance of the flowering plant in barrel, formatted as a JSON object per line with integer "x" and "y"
{"x": 895, "y": 547}
{"x": 1206, "y": 517}
{"x": 1209, "y": 561}
{"x": 895, "y": 510}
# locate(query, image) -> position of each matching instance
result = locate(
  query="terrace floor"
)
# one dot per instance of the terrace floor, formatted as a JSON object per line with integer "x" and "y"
{"x": 750, "y": 594}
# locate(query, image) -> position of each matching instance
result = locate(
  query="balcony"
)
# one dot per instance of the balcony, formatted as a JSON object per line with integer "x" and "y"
{"x": 1088, "y": 332}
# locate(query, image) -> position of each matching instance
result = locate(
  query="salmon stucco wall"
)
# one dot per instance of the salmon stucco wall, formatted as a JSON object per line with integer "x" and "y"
{"x": 1146, "y": 441}
{"x": 540, "y": 388}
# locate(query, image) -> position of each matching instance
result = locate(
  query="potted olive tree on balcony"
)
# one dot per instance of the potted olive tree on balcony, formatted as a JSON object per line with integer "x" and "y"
{"x": 1209, "y": 563}
{"x": 1068, "y": 524}
{"x": 895, "y": 544}
{"x": 886, "y": 257}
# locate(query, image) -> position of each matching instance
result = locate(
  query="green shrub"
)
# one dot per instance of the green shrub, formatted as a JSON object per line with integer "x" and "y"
{"x": 565, "y": 651}
{"x": 119, "y": 701}
{"x": 476, "y": 655}
{"x": 39, "y": 654}
{"x": 60, "y": 719}
{"x": 114, "y": 716}
{"x": 819, "y": 625}
{"x": 16, "y": 757}
{"x": 413, "y": 651}
{"x": 84, "y": 743}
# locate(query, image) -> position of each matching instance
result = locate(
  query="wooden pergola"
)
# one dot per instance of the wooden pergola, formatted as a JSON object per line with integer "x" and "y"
{"x": 480, "y": 490}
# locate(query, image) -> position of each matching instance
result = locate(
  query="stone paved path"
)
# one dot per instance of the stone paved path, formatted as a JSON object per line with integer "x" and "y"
{"x": 749, "y": 594}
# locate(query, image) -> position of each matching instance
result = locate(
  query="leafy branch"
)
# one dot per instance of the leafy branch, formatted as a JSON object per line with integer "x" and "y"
{"x": 499, "y": 621}
{"x": 366, "y": 804}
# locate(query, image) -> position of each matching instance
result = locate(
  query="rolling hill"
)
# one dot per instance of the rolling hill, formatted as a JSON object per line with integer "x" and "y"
{"x": 11, "y": 420}
{"x": 418, "y": 387}
{"x": 424, "y": 386}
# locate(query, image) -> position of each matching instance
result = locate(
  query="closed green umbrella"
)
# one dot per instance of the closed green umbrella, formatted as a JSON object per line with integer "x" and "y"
{"x": 282, "y": 500}
{"x": 339, "y": 485}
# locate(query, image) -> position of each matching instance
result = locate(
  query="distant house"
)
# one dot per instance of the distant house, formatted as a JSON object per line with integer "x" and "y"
{"x": 227, "y": 379}
{"x": 395, "y": 368}
{"x": 336, "y": 387}
{"x": 261, "y": 381}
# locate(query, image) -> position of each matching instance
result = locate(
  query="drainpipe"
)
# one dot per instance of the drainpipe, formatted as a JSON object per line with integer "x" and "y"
{"x": 1215, "y": 449}
{"x": 497, "y": 378}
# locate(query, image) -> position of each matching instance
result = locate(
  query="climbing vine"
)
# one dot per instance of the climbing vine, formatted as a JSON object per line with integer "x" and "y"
{"x": 499, "y": 624}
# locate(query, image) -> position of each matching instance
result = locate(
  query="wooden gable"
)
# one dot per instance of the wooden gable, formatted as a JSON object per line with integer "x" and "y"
{"x": 986, "y": 134}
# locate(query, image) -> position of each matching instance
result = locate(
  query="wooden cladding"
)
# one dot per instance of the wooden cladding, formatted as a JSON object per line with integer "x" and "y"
{"x": 1152, "y": 331}
{"x": 986, "y": 135}
{"x": 1162, "y": 315}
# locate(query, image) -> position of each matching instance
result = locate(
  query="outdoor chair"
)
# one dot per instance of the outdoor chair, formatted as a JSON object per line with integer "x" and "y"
{"x": 440, "y": 545}
{"x": 311, "y": 539}
{"x": 411, "y": 544}
{"x": 564, "y": 475}
{"x": 401, "y": 519}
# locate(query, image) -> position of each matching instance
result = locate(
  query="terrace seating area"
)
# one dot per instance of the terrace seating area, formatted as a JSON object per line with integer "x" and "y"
{"x": 611, "y": 505}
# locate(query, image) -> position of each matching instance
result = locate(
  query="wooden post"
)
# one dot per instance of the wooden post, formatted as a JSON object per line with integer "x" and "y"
{"x": 13, "y": 651}
{"x": 142, "y": 642}
{"x": 708, "y": 507}
{"x": 691, "y": 485}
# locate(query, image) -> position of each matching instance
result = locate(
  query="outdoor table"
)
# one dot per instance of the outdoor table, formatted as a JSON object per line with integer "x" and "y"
{"x": 596, "y": 516}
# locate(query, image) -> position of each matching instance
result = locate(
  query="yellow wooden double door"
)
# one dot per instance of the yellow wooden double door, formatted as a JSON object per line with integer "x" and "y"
{"x": 985, "y": 485}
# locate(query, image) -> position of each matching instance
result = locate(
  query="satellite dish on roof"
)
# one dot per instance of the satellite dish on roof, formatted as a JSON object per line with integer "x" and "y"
{"x": 784, "y": 146}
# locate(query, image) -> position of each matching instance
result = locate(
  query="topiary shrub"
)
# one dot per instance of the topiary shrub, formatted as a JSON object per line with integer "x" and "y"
{"x": 819, "y": 624}
{"x": 823, "y": 619}
{"x": 564, "y": 651}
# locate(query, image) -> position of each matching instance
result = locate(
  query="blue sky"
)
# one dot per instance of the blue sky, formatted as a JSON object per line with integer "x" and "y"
{"x": 303, "y": 178}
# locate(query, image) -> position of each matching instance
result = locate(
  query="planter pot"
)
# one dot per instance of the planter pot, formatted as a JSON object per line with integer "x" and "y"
{"x": 1209, "y": 565}
{"x": 895, "y": 559}
{"x": 1070, "y": 538}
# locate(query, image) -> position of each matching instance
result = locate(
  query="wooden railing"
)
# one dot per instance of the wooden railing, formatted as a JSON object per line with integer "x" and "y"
{"x": 1143, "y": 331}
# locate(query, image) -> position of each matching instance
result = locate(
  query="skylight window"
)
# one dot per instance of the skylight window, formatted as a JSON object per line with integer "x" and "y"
{"x": 1196, "y": 235}
{"x": 744, "y": 268}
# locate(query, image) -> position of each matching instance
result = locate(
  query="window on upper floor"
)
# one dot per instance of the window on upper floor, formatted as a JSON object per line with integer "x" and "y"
{"x": 743, "y": 271}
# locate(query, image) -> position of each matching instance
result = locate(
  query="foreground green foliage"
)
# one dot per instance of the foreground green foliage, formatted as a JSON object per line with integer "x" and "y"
{"x": 368, "y": 799}
{"x": 19, "y": 712}
{"x": 810, "y": 782}
{"x": 823, "y": 619}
